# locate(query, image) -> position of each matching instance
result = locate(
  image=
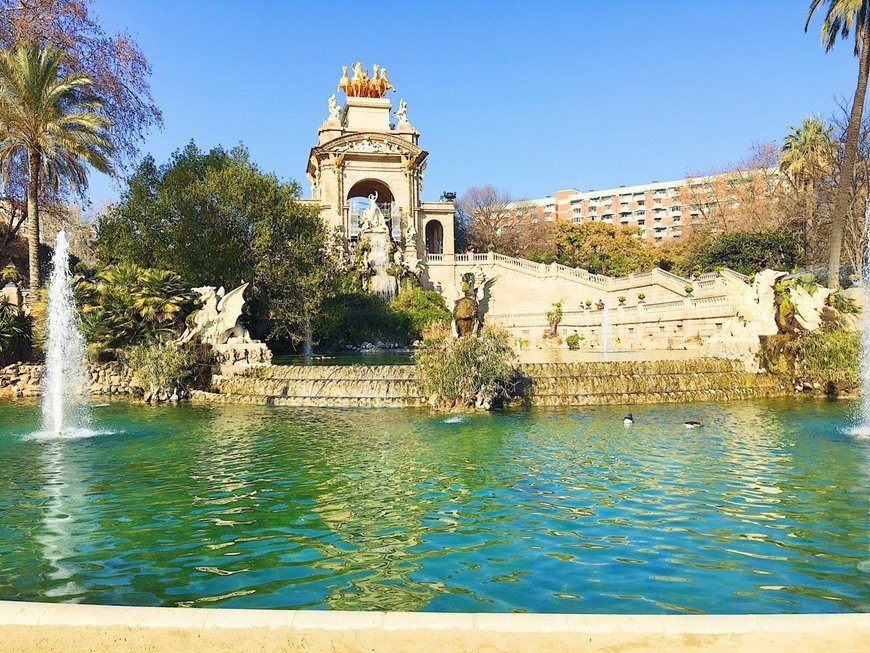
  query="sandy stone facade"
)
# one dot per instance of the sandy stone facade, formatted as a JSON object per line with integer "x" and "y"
{"x": 363, "y": 155}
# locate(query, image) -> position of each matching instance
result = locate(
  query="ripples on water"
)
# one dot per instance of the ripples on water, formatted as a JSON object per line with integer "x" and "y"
{"x": 765, "y": 509}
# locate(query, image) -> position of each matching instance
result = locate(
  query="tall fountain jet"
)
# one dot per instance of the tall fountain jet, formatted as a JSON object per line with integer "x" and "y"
{"x": 64, "y": 360}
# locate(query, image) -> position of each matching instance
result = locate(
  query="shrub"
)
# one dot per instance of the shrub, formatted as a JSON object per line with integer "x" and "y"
{"x": 827, "y": 355}
{"x": 422, "y": 307}
{"x": 163, "y": 368}
{"x": 126, "y": 305}
{"x": 573, "y": 341}
{"x": 843, "y": 303}
{"x": 463, "y": 372}
{"x": 641, "y": 296}
{"x": 15, "y": 330}
{"x": 554, "y": 317}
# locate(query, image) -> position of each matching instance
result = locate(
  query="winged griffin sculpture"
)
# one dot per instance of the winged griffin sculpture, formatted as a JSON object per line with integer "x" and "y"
{"x": 217, "y": 322}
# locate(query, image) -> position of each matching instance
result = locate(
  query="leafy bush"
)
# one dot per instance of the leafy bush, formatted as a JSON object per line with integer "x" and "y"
{"x": 843, "y": 303}
{"x": 354, "y": 317}
{"x": 422, "y": 307}
{"x": 554, "y": 318}
{"x": 468, "y": 371}
{"x": 15, "y": 331}
{"x": 162, "y": 368}
{"x": 827, "y": 355}
{"x": 126, "y": 305}
{"x": 573, "y": 341}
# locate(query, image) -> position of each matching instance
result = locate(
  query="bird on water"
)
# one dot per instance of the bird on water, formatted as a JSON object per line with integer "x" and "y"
{"x": 693, "y": 423}
{"x": 628, "y": 420}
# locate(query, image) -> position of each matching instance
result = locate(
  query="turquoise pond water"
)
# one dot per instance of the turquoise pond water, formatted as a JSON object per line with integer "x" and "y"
{"x": 764, "y": 510}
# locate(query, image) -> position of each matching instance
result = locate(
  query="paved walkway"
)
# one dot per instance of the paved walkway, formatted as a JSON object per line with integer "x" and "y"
{"x": 68, "y": 628}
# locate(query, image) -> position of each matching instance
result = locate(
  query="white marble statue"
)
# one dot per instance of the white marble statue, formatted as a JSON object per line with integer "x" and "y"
{"x": 411, "y": 233}
{"x": 333, "y": 109}
{"x": 402, "y": 112}
{"x": 807, "y": 307}
{"x": 217, "y": 322}
{"x": 754, "y": 306}
{"x": 372, "y": 219}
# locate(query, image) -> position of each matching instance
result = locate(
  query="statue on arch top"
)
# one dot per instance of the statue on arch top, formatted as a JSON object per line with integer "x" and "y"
{"x": 361, "y": 85}
{"x": 402, "y": 112}
{"x": 333, "y": 109}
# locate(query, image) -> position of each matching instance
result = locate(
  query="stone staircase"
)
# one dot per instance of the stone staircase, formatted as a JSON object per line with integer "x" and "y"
{"x": 541, "y": 384}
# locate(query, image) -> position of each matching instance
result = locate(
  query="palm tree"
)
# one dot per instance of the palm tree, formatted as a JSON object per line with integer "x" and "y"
{"x": 51, "y": 122}
{"x": 807, "y": 155}
{"x": 844, "y": 16}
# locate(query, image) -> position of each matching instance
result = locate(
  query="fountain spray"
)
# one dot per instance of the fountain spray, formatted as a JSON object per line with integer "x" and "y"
{"x": 65, "y": 346}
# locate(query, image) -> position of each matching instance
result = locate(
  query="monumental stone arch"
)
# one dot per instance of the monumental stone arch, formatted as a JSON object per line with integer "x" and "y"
{"x": 366, "y": 175}
{"x": 366, "y": 152}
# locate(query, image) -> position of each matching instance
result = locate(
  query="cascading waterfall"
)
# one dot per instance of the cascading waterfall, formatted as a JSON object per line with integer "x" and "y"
{"x": 382, "y": 284}
{"x": 605, "y": 333}
{"x": 64, "y": 361}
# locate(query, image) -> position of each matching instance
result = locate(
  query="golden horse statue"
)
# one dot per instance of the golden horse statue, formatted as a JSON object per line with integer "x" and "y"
{"x": 344, "y": 82}
{"x": 361, "y": 85}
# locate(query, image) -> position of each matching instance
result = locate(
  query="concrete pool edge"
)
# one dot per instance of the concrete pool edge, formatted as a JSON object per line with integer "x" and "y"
{"x": 26, "y": 626}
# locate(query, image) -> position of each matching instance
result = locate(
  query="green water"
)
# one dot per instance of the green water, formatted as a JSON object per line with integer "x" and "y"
{"x": 764, "y": 510}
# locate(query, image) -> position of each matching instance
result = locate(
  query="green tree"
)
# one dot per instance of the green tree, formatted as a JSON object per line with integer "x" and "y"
{"x": 603, "y": 248}
{"x": 843, "y": 17}
{"x": 194, "y": 215}
{"x": 807, "y": 155}
{"x": 49, "y": 121}
{"x": 297, "y": 264}
{"x": 747, "y": 252}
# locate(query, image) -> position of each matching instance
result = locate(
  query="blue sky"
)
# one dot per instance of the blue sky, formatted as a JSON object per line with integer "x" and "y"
{"x": 528, "y": 96}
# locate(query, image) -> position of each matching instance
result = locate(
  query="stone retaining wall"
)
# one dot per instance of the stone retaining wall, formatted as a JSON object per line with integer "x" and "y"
{"x": 24, "y": 379}
{"x": 541, "y": 384}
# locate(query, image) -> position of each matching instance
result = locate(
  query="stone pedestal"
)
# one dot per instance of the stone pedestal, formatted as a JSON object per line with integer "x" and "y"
{"x": 233, "y": 355}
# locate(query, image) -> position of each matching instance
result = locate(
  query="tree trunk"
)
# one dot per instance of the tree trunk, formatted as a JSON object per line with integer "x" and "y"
{"x": 844, "y": 186}
{"x": 33, "y": 224}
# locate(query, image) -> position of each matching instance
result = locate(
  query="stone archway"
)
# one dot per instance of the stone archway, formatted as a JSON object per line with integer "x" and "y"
{"x": 358, "y": 200}
{"x": 434, "y": 237}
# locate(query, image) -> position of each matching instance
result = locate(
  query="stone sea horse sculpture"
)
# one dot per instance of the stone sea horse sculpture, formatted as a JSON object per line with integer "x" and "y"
{"x": 217, "y": 322}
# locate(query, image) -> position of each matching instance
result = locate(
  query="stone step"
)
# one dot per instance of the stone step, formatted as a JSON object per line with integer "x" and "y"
{"x": 334, "y": 372}
{"x": 635, "y": 384}
{"x": 687, "y": 396}
{"x": 334, "y": 388}
{"x": 200, "y": 396}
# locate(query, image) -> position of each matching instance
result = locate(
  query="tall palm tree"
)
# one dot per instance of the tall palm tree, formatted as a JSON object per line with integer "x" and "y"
{"x": 49, "y": 121}
{"x": 807, "y": 155}
{"x": 843, "y": 17}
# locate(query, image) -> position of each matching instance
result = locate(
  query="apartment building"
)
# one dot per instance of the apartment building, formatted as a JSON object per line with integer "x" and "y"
{"x": 661, "y": 210}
